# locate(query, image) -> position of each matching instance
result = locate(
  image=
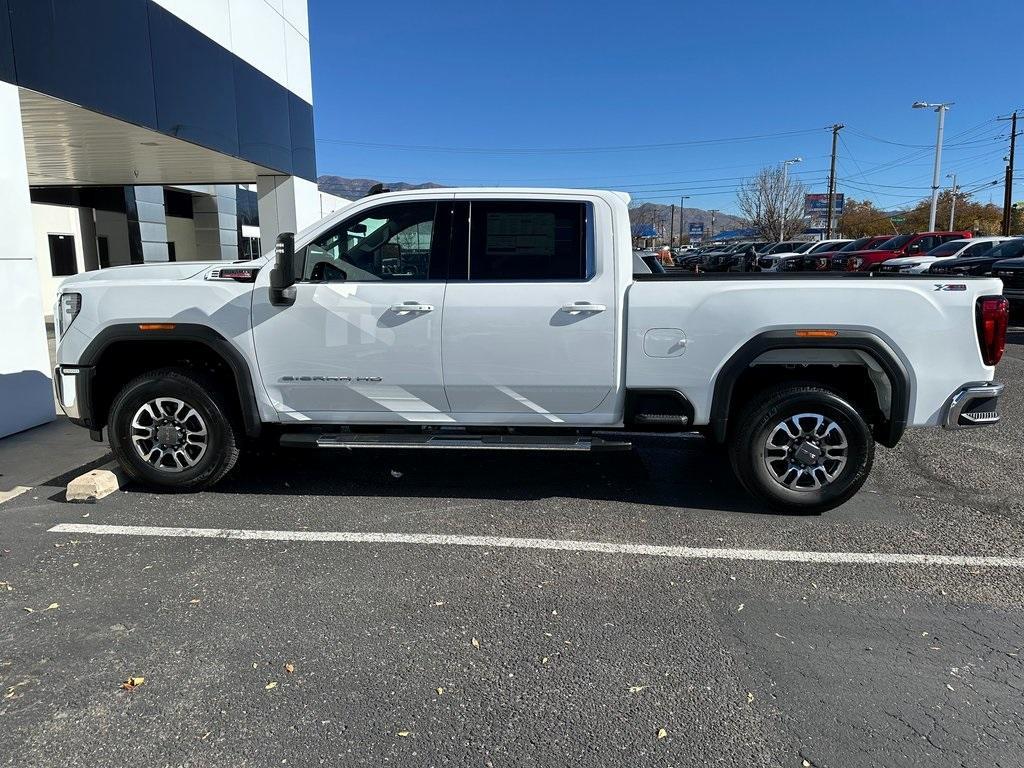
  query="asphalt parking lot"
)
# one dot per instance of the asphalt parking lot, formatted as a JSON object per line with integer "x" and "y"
{"x": 389, "y": 647}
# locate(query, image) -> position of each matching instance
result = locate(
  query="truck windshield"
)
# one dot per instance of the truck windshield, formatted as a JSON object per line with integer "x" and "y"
{"x": 1011, "y": 249}
{"x": 894, "y": 243}
{"x": 947, "y": 249}
{"x": 856, "y": 245}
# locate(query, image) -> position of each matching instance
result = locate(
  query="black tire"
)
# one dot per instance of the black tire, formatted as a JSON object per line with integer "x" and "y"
{"x": 204, "y": 396}
{"x": 764, "y": 417}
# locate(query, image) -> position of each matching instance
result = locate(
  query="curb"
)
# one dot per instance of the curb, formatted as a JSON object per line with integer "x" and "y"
{"x": 96, "y": 484}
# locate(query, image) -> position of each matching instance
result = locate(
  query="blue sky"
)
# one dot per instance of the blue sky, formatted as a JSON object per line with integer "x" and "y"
{"x": 616, "y": 95}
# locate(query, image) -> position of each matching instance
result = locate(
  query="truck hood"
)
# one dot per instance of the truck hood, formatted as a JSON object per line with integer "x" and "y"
{"x": 906, "y": 261}
{"x": 143, "y": 272}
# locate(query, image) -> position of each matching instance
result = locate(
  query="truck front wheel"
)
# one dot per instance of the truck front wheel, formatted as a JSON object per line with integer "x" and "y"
{"x": 801, "y": 448}
{"x": 171, "y": 428}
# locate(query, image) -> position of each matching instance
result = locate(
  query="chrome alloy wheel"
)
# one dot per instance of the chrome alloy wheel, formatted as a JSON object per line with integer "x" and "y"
{"x": 169, "y": 434}
{"x": 806, "y": 452}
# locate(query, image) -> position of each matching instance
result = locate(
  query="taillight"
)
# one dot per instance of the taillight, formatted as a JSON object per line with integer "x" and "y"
{"x": 993, "y": 314}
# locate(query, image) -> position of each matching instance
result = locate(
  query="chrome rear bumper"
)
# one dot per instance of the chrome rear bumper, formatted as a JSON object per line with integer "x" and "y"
{"x": 973, "y": 405}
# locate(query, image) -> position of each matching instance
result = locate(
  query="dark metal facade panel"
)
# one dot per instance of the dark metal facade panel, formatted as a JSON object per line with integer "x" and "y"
{"x": 135, "y": 61}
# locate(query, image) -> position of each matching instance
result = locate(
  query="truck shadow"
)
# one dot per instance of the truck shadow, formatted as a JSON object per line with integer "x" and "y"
{"x": 660, "y": 471}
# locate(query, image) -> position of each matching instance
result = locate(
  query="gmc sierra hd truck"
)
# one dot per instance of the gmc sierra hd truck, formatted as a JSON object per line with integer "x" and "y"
{"x": 517, "y": 319}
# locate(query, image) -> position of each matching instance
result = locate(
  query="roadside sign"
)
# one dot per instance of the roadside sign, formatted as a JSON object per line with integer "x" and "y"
{"x": 818, "y": 204}
{"x": 696, "y": 231}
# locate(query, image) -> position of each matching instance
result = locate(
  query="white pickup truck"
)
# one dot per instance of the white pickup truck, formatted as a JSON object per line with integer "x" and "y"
{"x": 513, "y": 319}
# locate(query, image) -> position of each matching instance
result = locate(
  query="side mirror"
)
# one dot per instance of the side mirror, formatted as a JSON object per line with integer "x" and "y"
{"x": 282, "y": 275}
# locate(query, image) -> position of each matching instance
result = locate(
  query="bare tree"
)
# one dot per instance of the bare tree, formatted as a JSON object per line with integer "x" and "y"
{"x": 773, "y": 203}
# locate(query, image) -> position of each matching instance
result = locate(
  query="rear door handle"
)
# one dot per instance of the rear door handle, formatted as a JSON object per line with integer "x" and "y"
{"x": 411, "y": 306}
{"x": 582, "y": 306}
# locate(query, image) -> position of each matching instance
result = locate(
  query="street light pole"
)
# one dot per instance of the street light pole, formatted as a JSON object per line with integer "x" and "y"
{"x": 682, "y": 199}
{"x": 941, "y": 109}
{"x": 952, "y": 200}
{"x": 785, "y": 195}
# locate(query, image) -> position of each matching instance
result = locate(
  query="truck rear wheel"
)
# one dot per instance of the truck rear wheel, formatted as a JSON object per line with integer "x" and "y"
{"x": 801, "y": 449}
{"x": 172, "y": 429}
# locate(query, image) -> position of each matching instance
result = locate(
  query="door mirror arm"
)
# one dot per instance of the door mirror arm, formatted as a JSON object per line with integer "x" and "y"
{"x": 282, "y": 275}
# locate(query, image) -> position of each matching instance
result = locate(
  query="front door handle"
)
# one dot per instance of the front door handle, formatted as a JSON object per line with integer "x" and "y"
{"x": 411, "y": 306}
{"x": 582, "y": 306}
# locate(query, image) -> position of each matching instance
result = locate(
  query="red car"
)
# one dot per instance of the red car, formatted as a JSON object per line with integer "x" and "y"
{"x": 824, "y": 263}
{"x": 896, "y": 247}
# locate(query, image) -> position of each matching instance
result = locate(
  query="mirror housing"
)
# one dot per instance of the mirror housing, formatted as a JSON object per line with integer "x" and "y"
{"x": 282, "y": 275}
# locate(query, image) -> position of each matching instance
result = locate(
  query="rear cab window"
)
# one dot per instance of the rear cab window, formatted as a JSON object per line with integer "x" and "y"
{"x": 522, "y": 241}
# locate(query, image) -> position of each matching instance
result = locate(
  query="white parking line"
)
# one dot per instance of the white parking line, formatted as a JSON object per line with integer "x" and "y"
{"x": 685, "y": 553}
{"x": 14, "y": 493}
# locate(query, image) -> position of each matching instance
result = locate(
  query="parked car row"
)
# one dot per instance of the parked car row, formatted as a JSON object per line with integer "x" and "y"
{"x": 936, "y": 253}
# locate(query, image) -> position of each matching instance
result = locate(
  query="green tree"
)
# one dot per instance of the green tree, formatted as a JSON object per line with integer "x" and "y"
{"x": 861, "y": 218}
{"x": 980, "y": 218}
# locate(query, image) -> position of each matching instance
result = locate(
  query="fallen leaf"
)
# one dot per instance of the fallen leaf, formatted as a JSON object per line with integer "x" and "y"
{"x": 740, "y": 608}
{"x": 750, "y": 698}
{"x": 269, "y": 686}
{"x": 194, "y": 601}
{"x": 132, "y": 682}
{"x": 636, "y": 688}
{"x": 662, "y": 733}
{"x": 476, "y": 643}
{"x": 949, "y": 686}
{"x": 403, "y": 734}
{"x": 395, "y": 473}
{"x": 440, "y": 691}
{"x": 805, "y": 764}
{"x": 53, "y": 606}
{"x": 289, "y": 667}
{"x": 439, "y": 603}
{"x": 28, "y": 610}
{"x": 544, "y": 660}
{"x": 74, "y": 565}
{"x": 6, "y": 585}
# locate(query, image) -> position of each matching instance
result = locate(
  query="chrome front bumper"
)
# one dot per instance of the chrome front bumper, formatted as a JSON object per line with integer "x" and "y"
{"x": 973, "y": 405}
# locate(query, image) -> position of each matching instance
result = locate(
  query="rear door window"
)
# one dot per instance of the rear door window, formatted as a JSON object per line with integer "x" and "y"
{"x": 528, "y": 241}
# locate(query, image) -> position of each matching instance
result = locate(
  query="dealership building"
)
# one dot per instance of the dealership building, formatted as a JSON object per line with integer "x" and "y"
{"x": 136, "y": 131}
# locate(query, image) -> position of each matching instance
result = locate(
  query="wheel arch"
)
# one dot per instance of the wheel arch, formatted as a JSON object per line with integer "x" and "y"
{"x": 205, "y": 344}
{"x": 781, "y": 350}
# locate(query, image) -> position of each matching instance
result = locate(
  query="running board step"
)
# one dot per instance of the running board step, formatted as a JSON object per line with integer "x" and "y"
{"x": 662, "y": 418}
{"x": 462, "y": 441}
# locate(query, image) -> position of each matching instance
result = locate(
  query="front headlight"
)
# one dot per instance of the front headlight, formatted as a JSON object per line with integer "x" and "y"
{"x": 68, "y": 307}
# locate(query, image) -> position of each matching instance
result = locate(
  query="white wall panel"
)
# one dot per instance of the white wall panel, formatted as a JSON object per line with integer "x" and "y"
{"x": 54, "y": 220}
{"x": 300, "y": 80}
{"x": 26, "y": 387}
{"x": 257, "y": 34}
{"x": 296, "y": 14}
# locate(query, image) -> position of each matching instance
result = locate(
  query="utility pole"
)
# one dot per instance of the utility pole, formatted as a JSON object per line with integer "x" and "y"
{"x": 672, "y": 227}
{"x": 712, "y": 235}
{"x": 952, "y": 201}
{"x": 682, "y": 201}
{"x": 1008, "y": 186}
{"x": 832, "y": 180}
